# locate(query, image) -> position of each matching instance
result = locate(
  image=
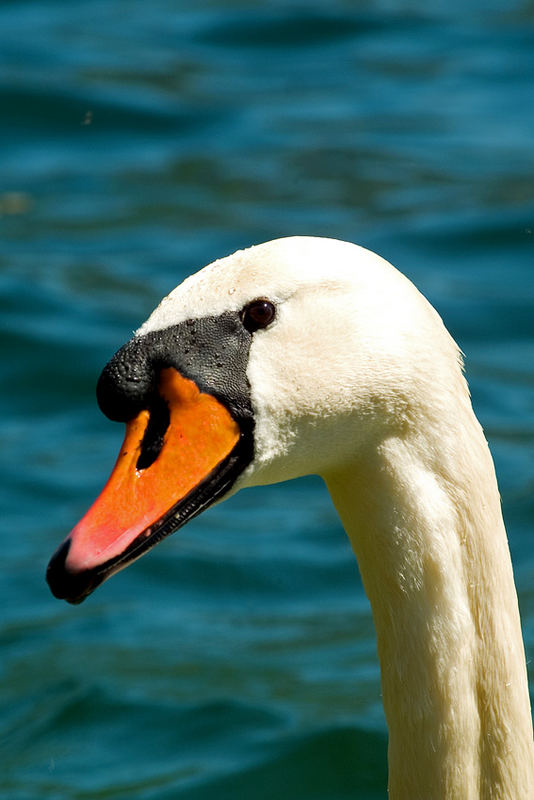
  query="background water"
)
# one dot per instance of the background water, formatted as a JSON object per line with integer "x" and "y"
{"x": 138, "y": 142}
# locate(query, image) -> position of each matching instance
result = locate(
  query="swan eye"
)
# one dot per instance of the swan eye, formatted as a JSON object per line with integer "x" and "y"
{"x": 258, "y": 314}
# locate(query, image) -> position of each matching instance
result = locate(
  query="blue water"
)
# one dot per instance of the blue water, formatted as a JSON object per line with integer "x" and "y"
{"x": 138, "y": 142}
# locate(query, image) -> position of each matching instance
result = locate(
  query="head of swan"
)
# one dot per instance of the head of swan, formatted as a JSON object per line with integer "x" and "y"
{"x": 353, "y": 355}
{"x": 308, "y": 355}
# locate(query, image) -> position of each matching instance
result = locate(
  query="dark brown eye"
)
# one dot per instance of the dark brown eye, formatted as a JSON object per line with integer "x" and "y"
{"x": 258, "y": 314}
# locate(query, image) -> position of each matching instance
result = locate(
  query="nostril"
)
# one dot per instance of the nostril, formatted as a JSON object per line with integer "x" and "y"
{"x": 156, "y": 429}
{"x": 127, "y": 386}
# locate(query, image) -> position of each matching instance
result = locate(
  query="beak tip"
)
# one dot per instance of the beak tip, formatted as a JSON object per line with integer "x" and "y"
{"x": 64, "y": 584}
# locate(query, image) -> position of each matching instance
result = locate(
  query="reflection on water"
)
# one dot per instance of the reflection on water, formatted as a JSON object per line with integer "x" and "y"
{"x": 138, "y": 144}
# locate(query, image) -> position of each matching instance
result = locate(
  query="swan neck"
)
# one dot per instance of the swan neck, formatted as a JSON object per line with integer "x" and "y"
{"x": 432, "y": 551}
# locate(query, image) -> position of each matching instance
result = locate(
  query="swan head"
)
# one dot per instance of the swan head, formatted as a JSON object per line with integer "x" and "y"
{"x": 292, "y": 357}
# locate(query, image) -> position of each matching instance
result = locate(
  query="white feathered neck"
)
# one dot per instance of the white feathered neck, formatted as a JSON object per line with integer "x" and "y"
{"x": 358, "y": 380}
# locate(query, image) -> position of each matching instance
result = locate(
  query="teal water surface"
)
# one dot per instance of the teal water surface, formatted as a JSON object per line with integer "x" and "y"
{"x": 138, "y": 142}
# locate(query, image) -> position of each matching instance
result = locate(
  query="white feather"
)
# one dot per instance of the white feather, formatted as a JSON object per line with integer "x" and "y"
{"x": 357, "y": 380}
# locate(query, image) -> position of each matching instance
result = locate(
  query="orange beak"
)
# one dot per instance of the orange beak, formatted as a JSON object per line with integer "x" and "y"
{"x": 145, "y": 497}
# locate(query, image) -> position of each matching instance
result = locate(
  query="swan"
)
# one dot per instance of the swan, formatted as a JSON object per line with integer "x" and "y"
{"x": 310, "y": 355}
